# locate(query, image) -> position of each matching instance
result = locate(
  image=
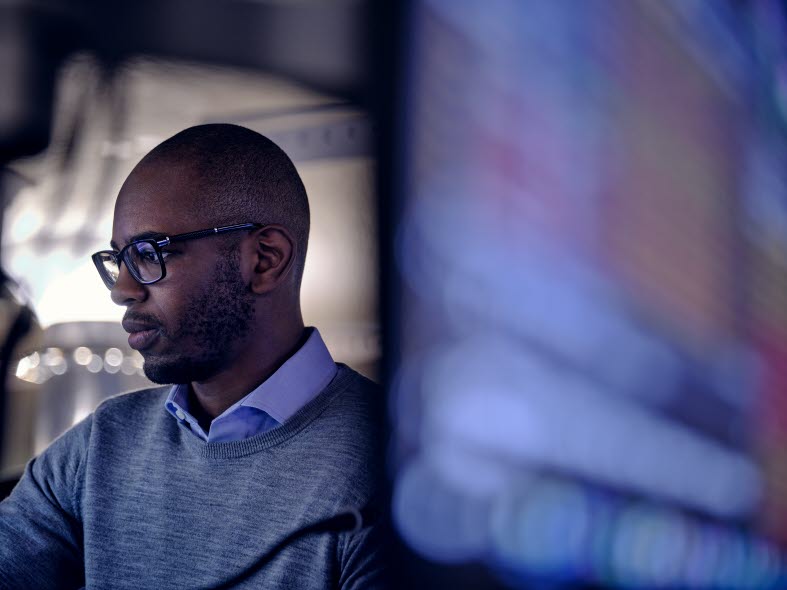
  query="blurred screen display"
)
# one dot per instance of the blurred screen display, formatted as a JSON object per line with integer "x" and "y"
{"x": 591, "y": 257}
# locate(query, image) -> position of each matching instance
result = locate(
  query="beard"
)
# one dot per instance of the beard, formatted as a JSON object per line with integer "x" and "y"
{"x": 214, "y": 324}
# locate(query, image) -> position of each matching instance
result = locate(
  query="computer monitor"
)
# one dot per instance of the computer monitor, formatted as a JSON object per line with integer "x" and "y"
{"x": 589, "y": 267}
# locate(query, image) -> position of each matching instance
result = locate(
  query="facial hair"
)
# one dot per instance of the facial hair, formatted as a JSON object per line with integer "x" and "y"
{"x": 215, "y": 322}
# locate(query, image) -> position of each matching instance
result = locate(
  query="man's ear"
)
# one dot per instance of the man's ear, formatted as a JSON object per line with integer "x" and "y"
{"x": 274, "y": 252}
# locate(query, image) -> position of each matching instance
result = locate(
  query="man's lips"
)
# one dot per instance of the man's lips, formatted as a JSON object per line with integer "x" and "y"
{"x": 143, "y": 339}
{"x": 141, "y": 335}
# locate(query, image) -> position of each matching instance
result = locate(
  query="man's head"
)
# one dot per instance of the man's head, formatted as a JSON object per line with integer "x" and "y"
{"x": 220, "y": 292}
{"x": 241, "y": 176}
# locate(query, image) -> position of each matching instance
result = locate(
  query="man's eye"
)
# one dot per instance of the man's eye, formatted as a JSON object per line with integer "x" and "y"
{"x": 148, "y": 256}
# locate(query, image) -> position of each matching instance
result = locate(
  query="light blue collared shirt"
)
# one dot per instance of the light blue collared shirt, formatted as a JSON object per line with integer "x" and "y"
{"x": 305, "y": 374}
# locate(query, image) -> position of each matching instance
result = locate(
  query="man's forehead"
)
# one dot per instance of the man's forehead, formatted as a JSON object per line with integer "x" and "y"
{"x": 156, "y": 200}
{"x": 160, "y": 183}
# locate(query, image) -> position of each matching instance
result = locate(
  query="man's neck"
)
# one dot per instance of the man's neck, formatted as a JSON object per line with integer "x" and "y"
{"x": 253, "y": 366}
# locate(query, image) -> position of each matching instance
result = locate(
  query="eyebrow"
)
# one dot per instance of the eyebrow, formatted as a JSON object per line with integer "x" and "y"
{"x": 145, "y": 235}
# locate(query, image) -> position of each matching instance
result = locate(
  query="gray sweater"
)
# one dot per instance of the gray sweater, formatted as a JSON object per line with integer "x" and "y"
{"x": 129, "y": 499}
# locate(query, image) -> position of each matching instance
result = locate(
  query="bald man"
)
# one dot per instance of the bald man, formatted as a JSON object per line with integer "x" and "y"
{"x": 255, "y": 464}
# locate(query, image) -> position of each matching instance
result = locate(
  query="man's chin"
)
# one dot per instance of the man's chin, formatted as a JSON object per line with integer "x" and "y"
{"x": 169, "y": 372}
{"x": 158, "y": 374}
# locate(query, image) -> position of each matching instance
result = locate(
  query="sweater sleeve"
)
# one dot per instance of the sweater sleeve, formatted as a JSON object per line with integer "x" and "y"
{"x": 40, "y": 522}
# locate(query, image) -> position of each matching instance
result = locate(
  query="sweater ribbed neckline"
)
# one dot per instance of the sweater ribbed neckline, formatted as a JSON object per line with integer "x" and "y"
{"x": 248, "y": 446}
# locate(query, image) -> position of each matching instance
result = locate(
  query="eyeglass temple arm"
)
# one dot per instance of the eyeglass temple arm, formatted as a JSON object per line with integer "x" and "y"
{"x": 202, "y": 233}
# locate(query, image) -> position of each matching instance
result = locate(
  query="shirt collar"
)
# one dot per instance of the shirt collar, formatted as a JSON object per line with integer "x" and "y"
{"x": 305, "y": 374}
{"x": 296, "y": 382}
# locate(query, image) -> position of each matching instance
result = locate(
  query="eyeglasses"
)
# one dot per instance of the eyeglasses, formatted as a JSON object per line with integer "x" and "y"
{"x": 144, "y": 258}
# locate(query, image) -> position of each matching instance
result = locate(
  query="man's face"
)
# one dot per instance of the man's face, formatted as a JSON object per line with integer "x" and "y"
{"x": 194, "y": 322}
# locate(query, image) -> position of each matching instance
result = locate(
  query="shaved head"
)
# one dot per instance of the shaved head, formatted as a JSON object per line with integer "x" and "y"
{"x": 242, "y": 177}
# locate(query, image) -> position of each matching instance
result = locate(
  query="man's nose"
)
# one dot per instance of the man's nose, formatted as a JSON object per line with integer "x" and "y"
{"x": 127, "y": 290}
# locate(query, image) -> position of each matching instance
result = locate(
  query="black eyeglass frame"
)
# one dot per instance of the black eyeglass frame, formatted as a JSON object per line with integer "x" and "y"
{"x": 117, "y": 257}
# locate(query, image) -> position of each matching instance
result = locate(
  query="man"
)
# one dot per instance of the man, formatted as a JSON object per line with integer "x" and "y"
{"x": 213, "y": 482}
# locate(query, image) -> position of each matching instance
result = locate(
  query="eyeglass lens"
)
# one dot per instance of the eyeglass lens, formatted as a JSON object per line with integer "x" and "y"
{"x": 109, "y": 268}
{"x": 142, "y": 260}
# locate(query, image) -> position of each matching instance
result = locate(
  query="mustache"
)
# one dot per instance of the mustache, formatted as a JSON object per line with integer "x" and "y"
{"x": 143, "y": 318}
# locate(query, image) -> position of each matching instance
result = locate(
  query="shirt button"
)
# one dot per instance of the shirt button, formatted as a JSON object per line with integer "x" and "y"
{"x": 180, "y": 415}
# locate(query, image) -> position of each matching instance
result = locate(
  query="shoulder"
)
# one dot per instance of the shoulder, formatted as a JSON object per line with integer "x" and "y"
{"x": 133, "y": 408}
{"x": 359, "y": 403}
{"x": 358, "y": 389}
{"x": 131, "y": 412}
{"x": 65, "y": 455}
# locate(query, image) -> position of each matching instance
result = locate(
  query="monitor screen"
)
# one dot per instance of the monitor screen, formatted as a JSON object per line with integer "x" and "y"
{"x": 590, "y": 261}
